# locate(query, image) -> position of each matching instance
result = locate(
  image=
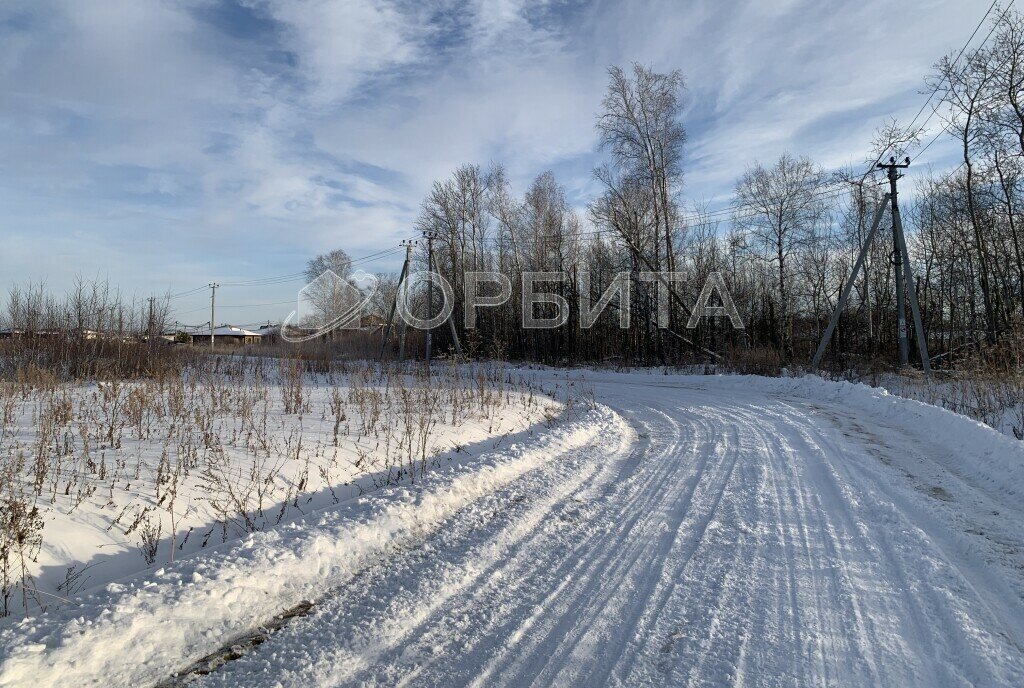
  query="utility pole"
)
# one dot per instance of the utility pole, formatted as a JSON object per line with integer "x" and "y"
{"x": 432, "y": 267}
{"x": 213, "y": 309}
{"x": 430, "y": 289}
{"x": 408, "y": 244}
{"x": 892, "y": 168}
{"x": 149, "y": 327}
{"x": 904, "y": 276}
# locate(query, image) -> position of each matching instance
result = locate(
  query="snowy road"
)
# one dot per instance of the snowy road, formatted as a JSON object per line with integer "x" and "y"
{"x": 738, "y": 537}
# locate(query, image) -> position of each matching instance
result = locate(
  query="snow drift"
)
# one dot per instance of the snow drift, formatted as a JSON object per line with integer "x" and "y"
{"x": 140, "y": 630}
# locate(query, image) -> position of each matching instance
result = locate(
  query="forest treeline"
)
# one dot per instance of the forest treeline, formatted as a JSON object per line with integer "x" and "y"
{"x": 786, "y": 244}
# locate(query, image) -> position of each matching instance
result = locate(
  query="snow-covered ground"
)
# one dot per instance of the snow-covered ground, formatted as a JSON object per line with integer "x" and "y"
{"x": 125, "y": 465}
{"x": 686, "y": 531}
{"x": 996, "y": 402}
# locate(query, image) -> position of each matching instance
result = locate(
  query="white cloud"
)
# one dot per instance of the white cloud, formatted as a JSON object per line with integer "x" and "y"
{"x": 122, "y": 119}
{"x": 338, "y": 44}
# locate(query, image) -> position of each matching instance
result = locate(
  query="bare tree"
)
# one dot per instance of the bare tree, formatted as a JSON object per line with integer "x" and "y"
{"x": 1007, "y": 54}
{"x": 325, "y": 292}
{"x": 639, "y": 124}
{"x": 779, "y": 208}
{"x": 966, "y": 88}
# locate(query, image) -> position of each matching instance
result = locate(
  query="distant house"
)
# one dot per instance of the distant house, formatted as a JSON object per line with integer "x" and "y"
{"x": 173, "y": 336}
{"x": 270, "y": 332}
{"x": 371, "y": 322}
{"x": 80, "y": 334}
{"x": 31, "y": 334}
{"x": 228, "y": 335}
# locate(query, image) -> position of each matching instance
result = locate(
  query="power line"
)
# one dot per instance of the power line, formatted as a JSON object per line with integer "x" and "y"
{"x": 935, "y": 138}
{"x": 193, "y": 310}
{"x": 938, "y": 85}
{"x": 266, "y": 280}
{"x": 991, "y": 31}
{"x": 730, "y": 212}
{"x": 256, "y": 305}
{"x": 940, "y": 132}
{"x": 955, "y": 60}
{"x": 283, "y": 279}
{"x": 296, "y": 276}
{"x": 187, "y": 293}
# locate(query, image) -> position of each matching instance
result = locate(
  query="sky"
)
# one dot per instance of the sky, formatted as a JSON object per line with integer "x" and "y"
{"x": 165, "y": 144}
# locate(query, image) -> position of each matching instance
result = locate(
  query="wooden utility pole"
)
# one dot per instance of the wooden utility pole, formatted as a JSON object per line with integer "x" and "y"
{"x": 213, "y": 309}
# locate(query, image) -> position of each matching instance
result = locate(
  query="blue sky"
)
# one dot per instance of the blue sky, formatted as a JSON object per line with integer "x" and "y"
{"x": 167, "y": 144}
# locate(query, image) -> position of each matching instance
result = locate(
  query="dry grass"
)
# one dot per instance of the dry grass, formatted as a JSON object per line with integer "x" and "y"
{"x": 238, "y": 444}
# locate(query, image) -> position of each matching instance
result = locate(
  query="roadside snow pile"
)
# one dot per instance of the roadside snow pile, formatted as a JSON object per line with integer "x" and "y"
{"x": 139, "y": 631}
{"x": 996, "y": 461}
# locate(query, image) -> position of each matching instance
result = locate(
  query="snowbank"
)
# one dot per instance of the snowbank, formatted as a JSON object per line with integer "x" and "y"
{"x": 139, "y": 631}
{"x": 995, "y": 461}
